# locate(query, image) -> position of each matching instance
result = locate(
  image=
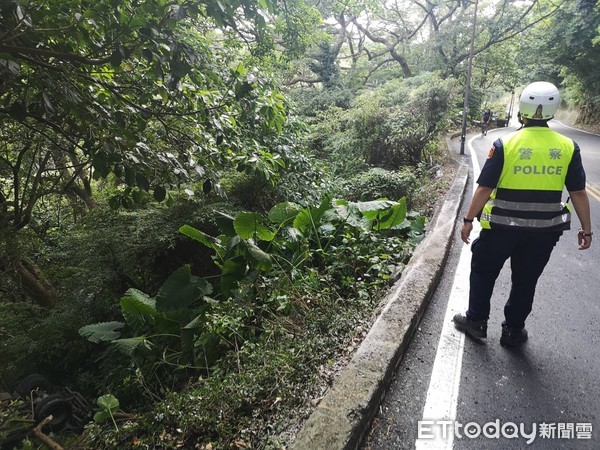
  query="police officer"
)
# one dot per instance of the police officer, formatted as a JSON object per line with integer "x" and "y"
{"x": 518, "y": 204}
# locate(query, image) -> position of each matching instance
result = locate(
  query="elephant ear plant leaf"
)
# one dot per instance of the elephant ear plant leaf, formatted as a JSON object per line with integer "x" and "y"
{"x": 260, "y": 259}
{"x": 393, "y": 216}
{"x": 129, "y": 345}
{"x": 101, "y": 332}
{"x": 201, "y": 237}
{"x": 251, "y": 225}
{"x": 237, "y": 250}
{"x": 309, "y": 218}
{"x": 138, "y": 309}
{"x": 166, "y": 323}
{"x": 284, "y": 213}
{"x": 181, "y": 290}
{"x": 109, "y": 405}
{"x": 376, "y": 215}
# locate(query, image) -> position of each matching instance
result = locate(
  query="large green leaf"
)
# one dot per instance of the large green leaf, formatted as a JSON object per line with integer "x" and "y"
{"x": 225, "y": 223}
{"x": 387, "y": 213}
{"x": 352, "y": 215}
{"x": 138, "y": 308}
{"x": 101, "y": 332}
{"x": 394, "y": 217}
{"x": 100, "y": 165}
{"x": 327, "y": 229}
{"x": 260, "y": 259}
{"x": 291, "y": 235}
{"x": 311, "y": 217}
{"x": 108, "y": 403}
{"x": 198, "y": 321}
{"x": 101, "y": 416}
{"x": 304, "y": 220}
{"x": 160, "y": 193}
{"x": 142, "y": 182}
{"x": 418, "y": 225}
{"x": 170, "y": 322}
{"x": 129, "y": 345}
{"x": 201, "y": 237}
{"x": 372, "y": 207}
{"x": 181, "y": 290}
{"x": 283, "y": 212}
{"x": 232, "y": 271}
{"x": 188, "y": 334}
{"x": 250, "y": 225}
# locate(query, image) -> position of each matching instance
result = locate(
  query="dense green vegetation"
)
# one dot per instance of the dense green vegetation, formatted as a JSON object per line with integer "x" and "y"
{"x": 201, "y": 204}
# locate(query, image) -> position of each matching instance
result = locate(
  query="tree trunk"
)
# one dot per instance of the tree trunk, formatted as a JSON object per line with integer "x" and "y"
{"x": 72, "y": 173}
{"x": 37, "y": 286}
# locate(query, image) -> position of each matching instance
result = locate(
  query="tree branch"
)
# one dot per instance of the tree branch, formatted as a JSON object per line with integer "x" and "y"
{"x": 303, "y": 80}
{"x": 38, "y": 433}
{"x": 19, "y": 51}
{"x": 391, "y": 47}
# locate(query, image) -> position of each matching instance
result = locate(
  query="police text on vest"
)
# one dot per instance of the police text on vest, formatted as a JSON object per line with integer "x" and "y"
{"x": 537, "y": 170}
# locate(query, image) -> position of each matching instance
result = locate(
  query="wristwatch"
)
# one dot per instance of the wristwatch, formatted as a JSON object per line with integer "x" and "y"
{"x": 465, "y": 220}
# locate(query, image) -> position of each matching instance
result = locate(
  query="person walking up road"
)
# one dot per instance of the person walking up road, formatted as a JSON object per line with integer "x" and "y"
{"x": 518, "y": 203}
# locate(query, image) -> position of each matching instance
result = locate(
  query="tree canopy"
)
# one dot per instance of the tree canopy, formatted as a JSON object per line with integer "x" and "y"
{"x": 152, "y": 93}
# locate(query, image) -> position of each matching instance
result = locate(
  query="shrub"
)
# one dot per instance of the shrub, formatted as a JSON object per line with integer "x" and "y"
{"x": 381, "y": 183}
{"x": 91, "y": 265}
{"x": 310, "y": 102}
{"x": 250, "y": 191}
{"x": 389, "y": 126}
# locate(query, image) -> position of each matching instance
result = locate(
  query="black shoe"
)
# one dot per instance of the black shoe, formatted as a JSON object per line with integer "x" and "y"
{"x": 474, "y": 328}
{"x": 511, "y": 337}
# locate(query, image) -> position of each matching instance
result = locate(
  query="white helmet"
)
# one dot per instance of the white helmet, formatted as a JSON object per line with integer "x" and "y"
{"x": 539, "y": 100}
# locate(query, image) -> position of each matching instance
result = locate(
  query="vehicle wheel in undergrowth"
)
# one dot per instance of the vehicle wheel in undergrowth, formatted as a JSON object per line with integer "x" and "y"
{"x": 31, "y": 383}
{"x": 57, "y": 406}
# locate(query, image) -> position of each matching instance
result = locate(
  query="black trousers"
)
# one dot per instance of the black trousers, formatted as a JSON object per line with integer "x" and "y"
{"x": 529, "y": 253}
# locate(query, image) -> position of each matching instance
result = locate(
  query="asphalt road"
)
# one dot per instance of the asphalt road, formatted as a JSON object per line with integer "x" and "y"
{"x": 550, "y": 386}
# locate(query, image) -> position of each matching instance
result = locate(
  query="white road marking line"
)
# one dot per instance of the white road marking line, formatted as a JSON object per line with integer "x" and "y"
{"x": 576, "y": 129}
{"x": 442, "y": 394}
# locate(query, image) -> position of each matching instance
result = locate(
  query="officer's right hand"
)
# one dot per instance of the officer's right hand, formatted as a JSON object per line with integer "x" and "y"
{"x": 584, "y": 240}
{"x": 466, "y": 232}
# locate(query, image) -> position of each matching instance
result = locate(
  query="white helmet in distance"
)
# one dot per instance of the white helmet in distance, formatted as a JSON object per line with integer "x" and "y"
{"x": 539, "y": 101}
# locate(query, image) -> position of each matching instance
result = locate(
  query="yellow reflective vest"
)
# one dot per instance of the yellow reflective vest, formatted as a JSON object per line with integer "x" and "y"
{"x": 529, "y": 191}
